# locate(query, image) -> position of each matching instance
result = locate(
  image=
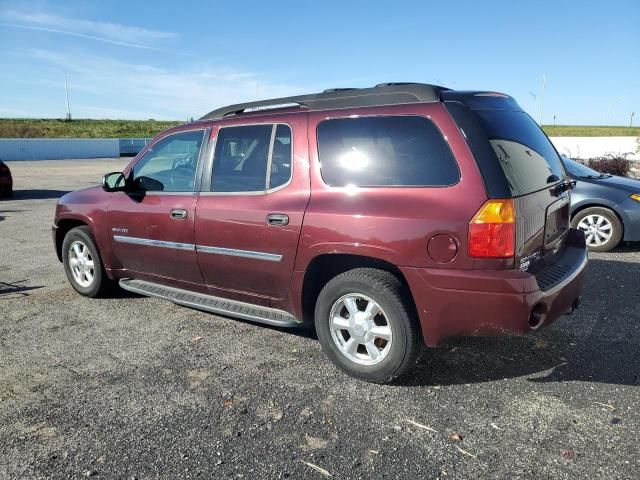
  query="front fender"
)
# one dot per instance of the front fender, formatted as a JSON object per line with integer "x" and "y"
{"x": 591, "y": 202}
{"x": 88, "y": 207}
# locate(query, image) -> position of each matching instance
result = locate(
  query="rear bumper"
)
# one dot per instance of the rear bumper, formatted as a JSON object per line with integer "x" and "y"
{"x": 453, "y": 303}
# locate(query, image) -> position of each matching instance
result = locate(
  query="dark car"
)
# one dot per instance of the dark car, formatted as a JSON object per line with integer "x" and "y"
{"x": 385, "y": 217}
{"x": 605, "y": 207}
{"x": 6, "y": 181}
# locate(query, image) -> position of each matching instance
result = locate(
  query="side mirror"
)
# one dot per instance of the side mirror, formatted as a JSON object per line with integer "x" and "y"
{"x": 113, "y": 182}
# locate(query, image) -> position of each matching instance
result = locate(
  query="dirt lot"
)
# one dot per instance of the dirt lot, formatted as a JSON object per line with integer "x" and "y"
{"x": 132, "y": 387}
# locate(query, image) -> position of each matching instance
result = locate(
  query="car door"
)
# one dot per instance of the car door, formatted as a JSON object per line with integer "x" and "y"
{"x": 250, "y": 211}
{"x": 152, "y": 223}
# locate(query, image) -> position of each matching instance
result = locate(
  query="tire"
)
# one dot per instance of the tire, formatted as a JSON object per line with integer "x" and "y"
{"x": 601, "y": 226}
{"x": 79, "y": 239}
{"x": 395, "y": 319}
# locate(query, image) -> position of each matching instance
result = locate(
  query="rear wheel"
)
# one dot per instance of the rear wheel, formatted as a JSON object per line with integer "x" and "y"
{"x": 82, "y": 263}
{"x": 366, "y": 326}
{"x": 601, "y": 226}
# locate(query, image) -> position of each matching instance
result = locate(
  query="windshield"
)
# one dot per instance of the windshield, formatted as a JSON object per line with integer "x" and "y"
{"x": 527, "y": 157}
{"x": 576, "y": 169}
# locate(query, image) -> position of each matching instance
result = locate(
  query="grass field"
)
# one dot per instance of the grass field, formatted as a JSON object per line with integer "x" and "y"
{"x": 590, "y": 131}
{"x": 56, "y": 128}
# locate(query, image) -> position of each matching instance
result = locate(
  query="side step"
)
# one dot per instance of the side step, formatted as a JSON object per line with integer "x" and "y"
{"x": 209, "y": 303}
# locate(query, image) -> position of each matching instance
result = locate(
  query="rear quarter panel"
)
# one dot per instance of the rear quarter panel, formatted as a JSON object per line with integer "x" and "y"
{"x": 393, "y": 224}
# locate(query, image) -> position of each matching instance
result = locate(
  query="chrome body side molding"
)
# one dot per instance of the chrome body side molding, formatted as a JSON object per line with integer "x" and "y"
{"x": 154, "y": 243}
{"x": 271, "y": 257}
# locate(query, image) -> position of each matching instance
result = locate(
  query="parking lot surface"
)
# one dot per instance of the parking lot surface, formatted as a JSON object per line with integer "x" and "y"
{"x": 133, "y": 387}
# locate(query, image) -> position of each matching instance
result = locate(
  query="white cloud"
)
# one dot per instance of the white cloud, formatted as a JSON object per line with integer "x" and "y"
{"x": 102, "y": 31}
{"x": 134, "y": 90}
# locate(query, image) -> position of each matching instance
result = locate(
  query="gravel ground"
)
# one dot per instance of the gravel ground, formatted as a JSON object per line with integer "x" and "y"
{"x": 133, "y": 387}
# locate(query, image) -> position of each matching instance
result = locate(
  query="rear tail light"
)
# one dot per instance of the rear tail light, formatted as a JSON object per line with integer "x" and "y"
{"x": 492, "y": 231}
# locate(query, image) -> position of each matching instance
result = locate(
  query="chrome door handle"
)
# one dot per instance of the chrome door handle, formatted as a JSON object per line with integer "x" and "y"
{"x": 279, "y": 219}
{"x": 178, "y": 213}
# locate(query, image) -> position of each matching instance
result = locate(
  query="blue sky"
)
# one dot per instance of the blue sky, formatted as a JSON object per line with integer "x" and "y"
{"x": 180, "y": 59}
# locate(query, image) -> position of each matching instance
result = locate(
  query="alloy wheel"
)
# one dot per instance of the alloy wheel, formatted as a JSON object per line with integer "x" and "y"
{"x": 360, "y": 329}
{"x": 597, "y": 229}
{"x": 81, "y": 264}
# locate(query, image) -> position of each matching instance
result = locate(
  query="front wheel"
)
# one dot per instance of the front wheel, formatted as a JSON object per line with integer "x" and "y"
{"x": 82, "y": 263}
{"x": 366, "y": 326}
{"x": 601, "y": 226}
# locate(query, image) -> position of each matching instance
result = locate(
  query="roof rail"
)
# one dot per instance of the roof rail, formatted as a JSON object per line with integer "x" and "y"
{"x": 335, "y": 98}
{"x": 390, "y": 84}
{"x": 339, "y": 89}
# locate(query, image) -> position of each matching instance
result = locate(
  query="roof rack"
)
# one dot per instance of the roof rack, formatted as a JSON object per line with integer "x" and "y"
{"x": 334, "y": 98}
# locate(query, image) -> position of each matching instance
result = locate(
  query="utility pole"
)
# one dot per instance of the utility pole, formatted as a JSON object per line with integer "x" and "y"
{"x": 631, "y": 119}
{"x": 554, "y": 119}
{"x": 544, "y": 83}
{"x": 66, "y": 94}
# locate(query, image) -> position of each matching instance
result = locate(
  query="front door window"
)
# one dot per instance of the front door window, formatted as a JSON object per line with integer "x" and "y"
{"x": 170, "y": 164}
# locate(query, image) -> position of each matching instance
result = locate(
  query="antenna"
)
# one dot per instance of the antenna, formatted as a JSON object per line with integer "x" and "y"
{"x": 66, "y": 94}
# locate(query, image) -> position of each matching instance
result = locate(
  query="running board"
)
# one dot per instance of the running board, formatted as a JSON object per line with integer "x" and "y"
{"x": 209, "y": 303}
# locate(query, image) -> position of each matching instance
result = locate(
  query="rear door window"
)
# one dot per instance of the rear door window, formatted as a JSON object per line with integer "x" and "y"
{"x": 406, "y": 151}
{"x": 526, "y": 155}
{"x": 245, "y": 154}
{"x": 280, "y": 158}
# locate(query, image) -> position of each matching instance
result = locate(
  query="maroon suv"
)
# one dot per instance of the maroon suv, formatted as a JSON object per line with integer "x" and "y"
{"x": 388, "y": 217}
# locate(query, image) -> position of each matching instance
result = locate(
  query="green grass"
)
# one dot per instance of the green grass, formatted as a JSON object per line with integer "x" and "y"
{"x": 55, "y": 128}
{"x": 590, "y": 131}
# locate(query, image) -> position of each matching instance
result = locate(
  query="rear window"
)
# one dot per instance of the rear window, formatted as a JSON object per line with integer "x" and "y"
{"x": 529, "y": 161}
{"x": 406, "y": 151}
